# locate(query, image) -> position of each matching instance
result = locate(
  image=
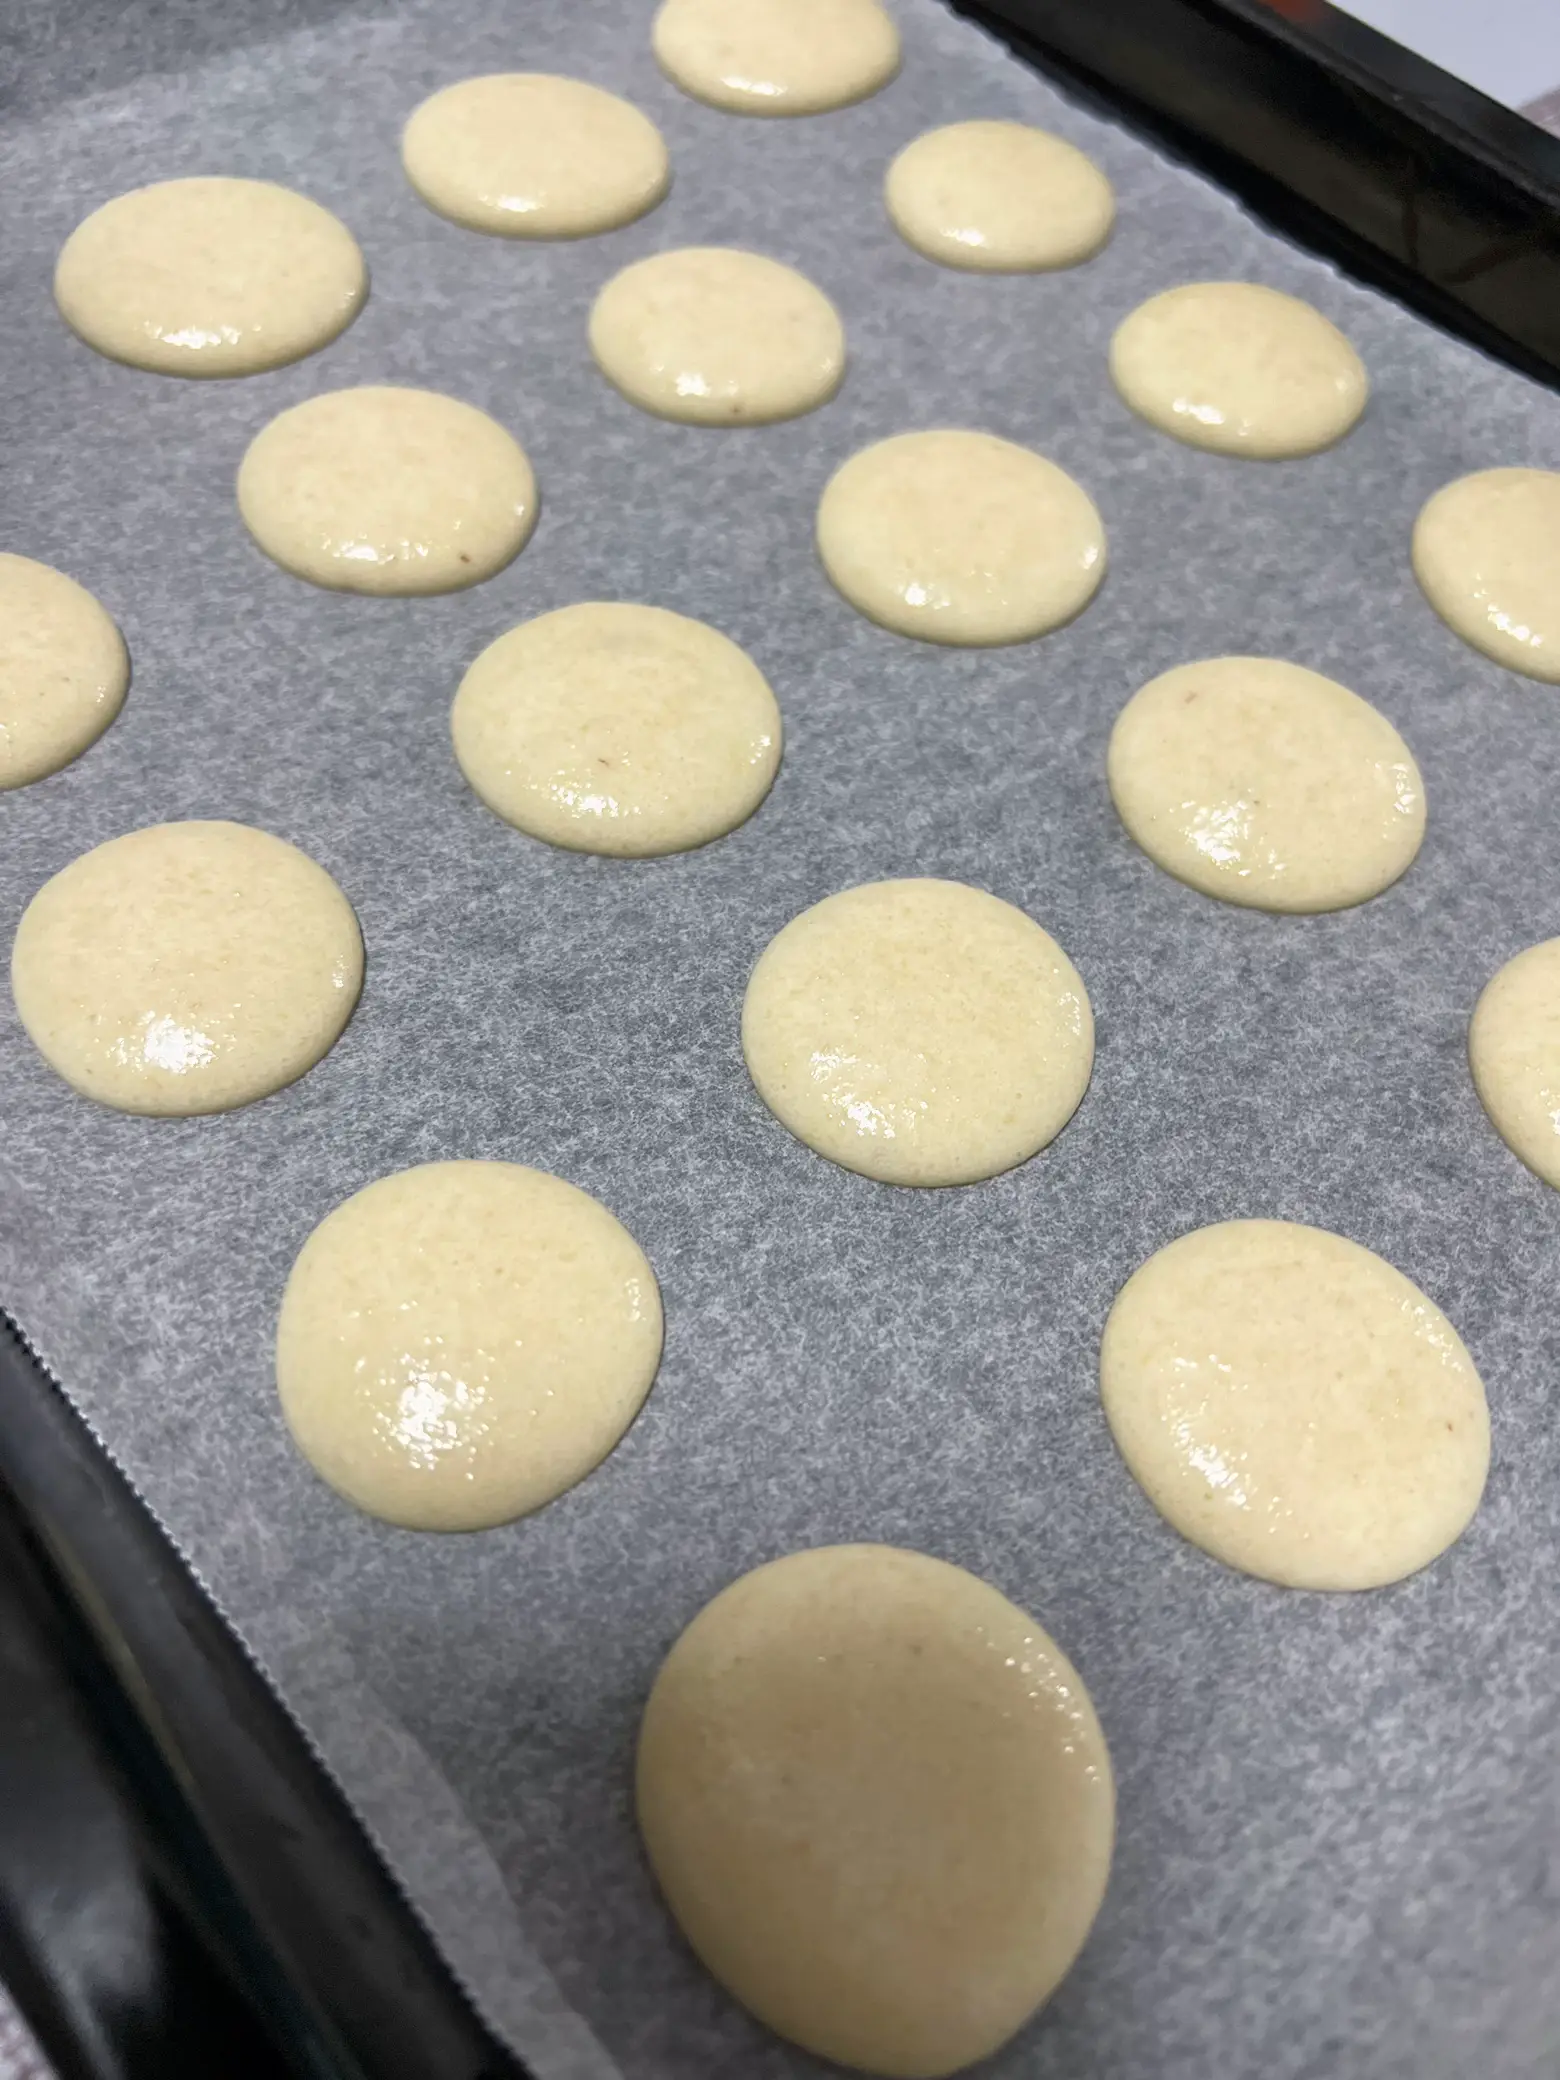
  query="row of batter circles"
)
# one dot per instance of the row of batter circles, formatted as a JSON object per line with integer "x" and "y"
{"x": 217, "y": 276}
{"x": 630, "y": 730}
{"x": 453, "y": 497}
{"x": 1284, "y": 790}
{"x": 921, "y": 1032}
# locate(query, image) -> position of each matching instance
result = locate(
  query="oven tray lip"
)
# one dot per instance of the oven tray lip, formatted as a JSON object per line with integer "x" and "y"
{"x": 1404, "y": 175}
{"x": 286, "y": 1883}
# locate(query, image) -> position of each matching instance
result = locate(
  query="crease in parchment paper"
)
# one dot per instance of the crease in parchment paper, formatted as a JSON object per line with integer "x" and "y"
{"x": 1338, "y": 1845}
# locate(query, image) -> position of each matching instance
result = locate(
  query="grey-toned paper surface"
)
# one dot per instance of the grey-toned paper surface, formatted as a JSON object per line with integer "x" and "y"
{"x": 1339, "y": 1847}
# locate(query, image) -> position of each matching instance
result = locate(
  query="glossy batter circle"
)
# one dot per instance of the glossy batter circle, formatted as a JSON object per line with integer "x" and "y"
{"x": 1487, "y": 556}
{"x": 921, "y": 1032}
{"x": 187, "y": 967}
{"x": 1514, "y": 1052}
{"x": 461, "y": 1342}
{"x": 717, "y": 337}
{"x": 999, "y": 198}
{"x": 878, "y": 1802}
{"x": 1294, "y": 1405}
{"x": 1266, "y": 784}
{"x": 385, "y": 490}
{"x": 617, "y": 729}
{"x": 776, "y": 57}
{"x": 1239, "y": 368}
{"x": 960, "y": 537}
{"x": 531, "y": 155}
{"x": 210, "y": 277}
{"x": 64, "y": 670}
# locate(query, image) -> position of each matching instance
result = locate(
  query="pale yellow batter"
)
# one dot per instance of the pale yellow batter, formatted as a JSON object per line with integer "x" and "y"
{"x": 461, "y": 1342}
{"x": 717, "y": 337}
{"x": 187, "y": 967}
{"x": 1487, "y": 553}
{"x": 1514, "y": 1051}
{"x": 921, "y": 1032}
{"x": 617, "y": 729}
{"x": 776, "y": 57}
{"x": 959, "y": 537}
{"x": 999, "y": 198}
{"x": 1293, "y": 1405}
{"x": 63, "y": 670}
{"x": 1239, "y": 368}
{"x": 1266, "y": 784}
{"x": 530, "y": 155}
{"x": 879, "y": 1804}
{"x": 210, "y": 277}
{"x": 387, "y": 491}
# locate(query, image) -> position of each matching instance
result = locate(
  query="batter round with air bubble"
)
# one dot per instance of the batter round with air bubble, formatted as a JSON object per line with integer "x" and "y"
{"x": 532, "y": 155}
{"x": 921, "y": 1032}
{"x": 64, "y": 670}
{"x": 776, "y": 57}
{"x": 876, "y": 1798}
{"x": 1266, "y": 784}
{"x": 1239, "y": 368}
{"x": 210, "y": 277}
{"x": 461, "y": 1342}
{"x": 960, "y": 537}
{"x": 616, "y": 728}
{"x": 1294, "y": 1405}
{"x": 999, "y": 198}
{"x": 1486, "y": 552}
{"x": 385, "y": 490}
{"x": 718, "y": 337}
{"x": 1514, "y": 1053}
{"x": 186, "y": 968}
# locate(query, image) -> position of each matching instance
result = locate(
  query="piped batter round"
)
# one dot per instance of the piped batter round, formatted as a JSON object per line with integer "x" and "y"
{"x": 187, "y": 967}
{"x": 210, "y": 277}
{"x": 717, "y": 337}
{"x": 921, "y": 1032}
{"x": 386, "y": 490}
{"x": 1239, "y": 368}
{"x": 461, "y": 1342}
{"x": 64, "y": 670}
{"x": 776, "y": 57}
{"x": 1294, "y": 1405}
{"x": 530, "y": 155}
{"x": 959, "y": 537}
{"x": 1487, "y": 555}
{"x": 999, "y": 198}
{"x": 1514, "y": 1052}
{"x": 617, "y": 729}
{"x": 878, "y": 1802}
{"x": 1266, "y": 784}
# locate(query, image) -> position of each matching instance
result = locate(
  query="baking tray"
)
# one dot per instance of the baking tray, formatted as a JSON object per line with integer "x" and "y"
{"x": 1338, "y": 1828}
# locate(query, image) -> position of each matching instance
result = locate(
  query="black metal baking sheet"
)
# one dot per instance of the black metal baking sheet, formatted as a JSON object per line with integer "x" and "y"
{"x": 664, "y": 2042}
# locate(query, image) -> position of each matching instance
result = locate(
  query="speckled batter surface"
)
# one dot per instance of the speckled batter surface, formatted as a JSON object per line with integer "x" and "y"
{"x": 877, "y": 1798}
{"x": 1261, "y": 782}
{"x": 718, "y": 337}
{"x": 186, "y": 968}
{"x": 532, "y": 155}
{"x": 1294, "y": 1405}
{"x": 459, "y": 1343}
{"x": 64, "y": 670}
{"x": 210, "y": 277}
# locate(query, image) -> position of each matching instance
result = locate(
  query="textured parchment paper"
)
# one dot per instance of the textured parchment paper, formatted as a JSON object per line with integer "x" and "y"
{"x": 1339, "y": 1838}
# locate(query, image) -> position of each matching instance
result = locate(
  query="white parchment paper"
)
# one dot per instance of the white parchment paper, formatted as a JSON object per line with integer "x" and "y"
{"x": 1339, "y": 1842}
